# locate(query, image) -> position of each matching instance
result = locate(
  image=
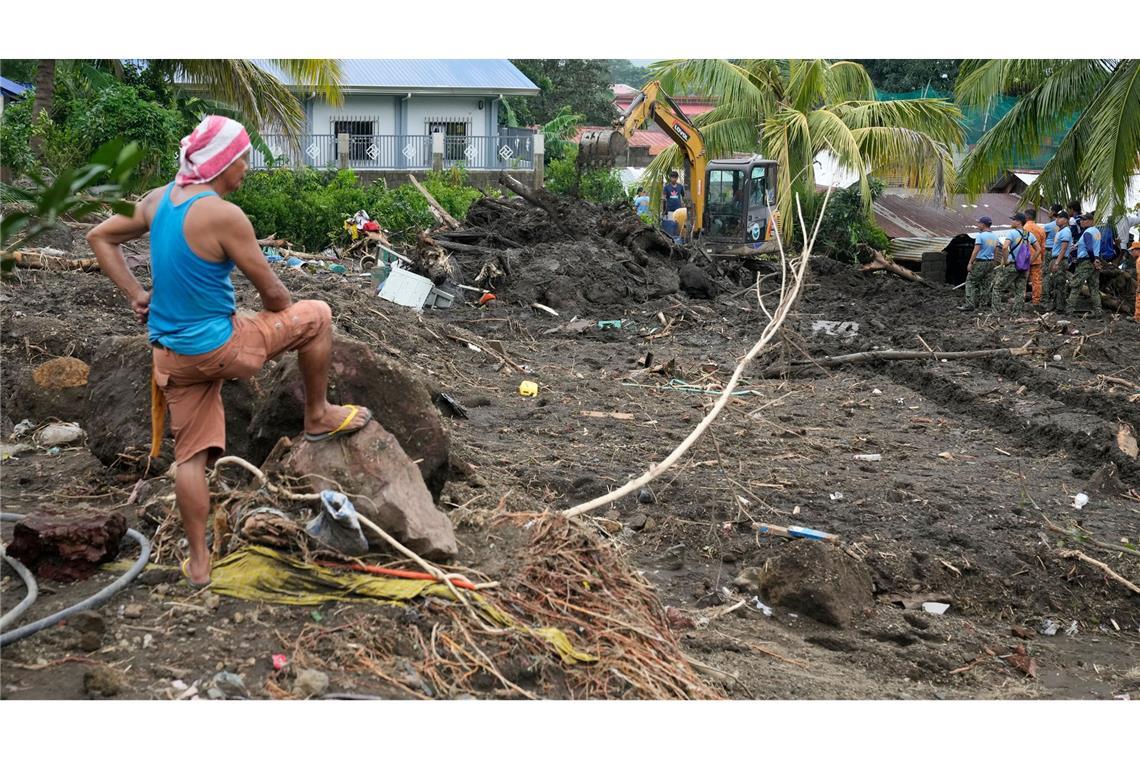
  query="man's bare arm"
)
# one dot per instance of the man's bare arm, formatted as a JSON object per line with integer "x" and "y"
{"x": 239, "y": 242}
{"x": 105, "y": 240}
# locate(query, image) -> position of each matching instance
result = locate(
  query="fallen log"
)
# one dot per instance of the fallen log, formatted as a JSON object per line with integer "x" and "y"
{"x": 438, "y": 211}
{"x": 535, "y": 199}
{"x": 462, "y": 247}
{"x": 879, "y": 262}
{"x": 38, "y": 260}
{"x": 890, "y": 355}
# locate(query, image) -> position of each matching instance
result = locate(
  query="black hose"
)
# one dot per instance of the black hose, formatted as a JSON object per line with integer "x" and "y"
{"x": 102, "y": 596}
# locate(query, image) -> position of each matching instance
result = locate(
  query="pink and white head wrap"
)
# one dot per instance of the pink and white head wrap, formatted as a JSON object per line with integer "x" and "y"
{"x": 209, "y": 149}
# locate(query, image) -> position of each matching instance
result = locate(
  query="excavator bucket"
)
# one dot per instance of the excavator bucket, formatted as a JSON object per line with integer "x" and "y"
{"x": 603, "y": 148}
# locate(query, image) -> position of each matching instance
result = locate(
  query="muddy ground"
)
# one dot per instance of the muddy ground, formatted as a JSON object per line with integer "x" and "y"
{"x": 975, "y": 455}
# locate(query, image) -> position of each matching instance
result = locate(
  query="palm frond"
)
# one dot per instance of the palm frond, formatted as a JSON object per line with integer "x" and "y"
{"x": 723, "y": 80}
{"x": 806, "y": 83}
{"x": 787, "y": 140}
{"x": 1112, "y": 148}
{"x": 979, "y": 83}
{"x": 1042, "y": 111}
{"x": 940, "y": 119}
{"x": 321, "y": 75}
{"x": 262, "y": 98}
{"x": 846, "y": 80}
{"x": 924, "y": 162}
{"x": 829, "y": 133}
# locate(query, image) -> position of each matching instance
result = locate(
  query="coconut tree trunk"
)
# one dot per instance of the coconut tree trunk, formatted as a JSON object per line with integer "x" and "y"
{"x": 45, "y": 91}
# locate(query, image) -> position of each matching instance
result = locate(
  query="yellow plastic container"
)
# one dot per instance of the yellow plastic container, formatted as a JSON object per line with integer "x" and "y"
{"x": 528, "y": 388}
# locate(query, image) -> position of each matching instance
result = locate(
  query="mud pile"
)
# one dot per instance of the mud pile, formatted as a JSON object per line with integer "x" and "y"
{"x": 566, "y": 253}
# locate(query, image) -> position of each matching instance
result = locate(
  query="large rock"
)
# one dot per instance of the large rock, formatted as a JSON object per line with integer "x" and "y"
{"x": 398, "y": 398}
{"x": 384, "y": 484}
{"x": 118, "y": 408}
{"x": 814, "y": 578}
{"x": 67, "y": 546}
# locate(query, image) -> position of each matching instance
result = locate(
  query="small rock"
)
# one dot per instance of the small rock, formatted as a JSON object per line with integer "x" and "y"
{"x": 59, "y": 434}
{"x": 212, "y": 601}
{"x": 238, "y": 618}
{"x": 645, "y": 496}
{"x": 673, "y": 558}
{"x": 147, "y": 641}
{"x": 613, "y": 514}
{"x": 1022, "y": 633}
{"x": 162, "y": 589}
{"x": 101, "y": 681}
{"x": 231, "y": 685}
{"x": 641, "y": 521}
{"x": 916, "y": 620}
{"x": 311, "y": 683}
{"x": 133, "y": 611}
{"x": 215, "y": 693}
{"x": 89, "y": 621}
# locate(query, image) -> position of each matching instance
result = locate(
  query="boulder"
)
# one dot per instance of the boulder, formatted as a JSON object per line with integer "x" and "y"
{"x": 381, "y": 480}
{"x": 399, "y": 400}
{"x": 814, "y": 578}
{"x": 67, "y": 546}
{"x": 118, "y": 409}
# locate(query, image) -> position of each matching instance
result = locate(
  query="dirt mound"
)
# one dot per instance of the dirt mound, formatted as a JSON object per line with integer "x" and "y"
{"x": 566, "y": 253}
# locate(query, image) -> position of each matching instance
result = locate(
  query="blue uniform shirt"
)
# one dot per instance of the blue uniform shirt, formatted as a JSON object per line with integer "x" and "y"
{"x": 1050, "y": 232}
{"x": 641, "y": 204}
{"x": 1088, "y": 247}
{"x": 988, "y": 240}
{"x": 1064, "y": 235}
{"x": 1014, "y": 239}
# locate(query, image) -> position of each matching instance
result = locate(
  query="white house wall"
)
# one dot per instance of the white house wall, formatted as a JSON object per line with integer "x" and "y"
{"x": 382, "y": 108}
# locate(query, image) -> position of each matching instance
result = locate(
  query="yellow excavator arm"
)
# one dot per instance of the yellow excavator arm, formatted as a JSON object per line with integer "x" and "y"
{"x": 602, "y": 148}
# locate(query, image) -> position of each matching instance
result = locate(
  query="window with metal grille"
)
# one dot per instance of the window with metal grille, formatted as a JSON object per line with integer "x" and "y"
{"x": 454, "y": 135}
{"x": 355, "y": 128}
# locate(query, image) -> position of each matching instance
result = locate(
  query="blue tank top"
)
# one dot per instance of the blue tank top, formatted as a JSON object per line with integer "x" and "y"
{"x": 192, "y": 300}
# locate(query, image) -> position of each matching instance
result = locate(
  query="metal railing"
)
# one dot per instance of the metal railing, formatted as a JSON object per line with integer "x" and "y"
{"x": 494, "y": 152}
{"x": 397, "y": 152}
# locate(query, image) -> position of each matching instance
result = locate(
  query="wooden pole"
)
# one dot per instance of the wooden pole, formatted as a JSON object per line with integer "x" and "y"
{"x": 438, "y": 211}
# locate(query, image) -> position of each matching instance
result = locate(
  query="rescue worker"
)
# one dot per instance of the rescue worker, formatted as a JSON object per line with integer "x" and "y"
{"x": 1088, "y": 263}
{"x": 1056, "y": 290}
{"x": 1050, "y": 228}
{"x": 1007, "y": 276}
{"x": 1037, "y": 262}
{"x": 980, "y": 269}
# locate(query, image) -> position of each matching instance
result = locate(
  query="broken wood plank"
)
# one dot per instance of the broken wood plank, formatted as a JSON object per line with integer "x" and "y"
{"x": 38, "y": 260}
{"x": 438, "y": 211}
{"x": 612, "y": 415}
{"x": 880, "y": 262}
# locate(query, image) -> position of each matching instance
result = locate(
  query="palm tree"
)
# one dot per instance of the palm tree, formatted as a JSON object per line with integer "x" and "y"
{"x": 793, "y": 110}
{"x": 1101, "y": 150}
{"x": 260, "y": 98}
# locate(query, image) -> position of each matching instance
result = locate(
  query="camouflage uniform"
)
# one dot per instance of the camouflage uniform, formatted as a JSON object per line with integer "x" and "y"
{"x": 1085, "y": 272}
{"x": 1007, "y": 278}
{"x": 979, "y": 283}
{"x": 1055, "y": 289}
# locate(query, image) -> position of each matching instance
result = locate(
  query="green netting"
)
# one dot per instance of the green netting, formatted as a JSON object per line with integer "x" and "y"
{"x": 977, "y": 121}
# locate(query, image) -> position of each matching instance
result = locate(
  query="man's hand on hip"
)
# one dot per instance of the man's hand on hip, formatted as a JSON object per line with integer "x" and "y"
{"x": 140, "y": 304}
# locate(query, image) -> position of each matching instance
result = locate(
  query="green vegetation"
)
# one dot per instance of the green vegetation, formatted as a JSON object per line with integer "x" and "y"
{"x": 582, "y": 84}
{"x": 1097, "y": 101}
{"x": 625, "y": 71}
{"x": 846, "y": 227}
{"x": 308, "y": 207}
{"x": 791, "y": 110}
{"x": 75, "y": 193}
{"x": 598, "y": 185}
{"x": 905, "y": 74}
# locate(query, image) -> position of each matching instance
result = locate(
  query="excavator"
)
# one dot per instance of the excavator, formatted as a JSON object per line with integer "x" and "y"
{"x": 731, "y": 198}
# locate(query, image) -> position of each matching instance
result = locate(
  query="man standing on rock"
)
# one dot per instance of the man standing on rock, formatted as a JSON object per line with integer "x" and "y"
{"x": 979, "y": 280}
{"x": 198, "y": 338}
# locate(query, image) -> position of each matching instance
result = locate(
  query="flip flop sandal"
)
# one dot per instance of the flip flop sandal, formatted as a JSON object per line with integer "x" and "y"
{"x": 185, "y": 568}
{"x": 341, "y": 430}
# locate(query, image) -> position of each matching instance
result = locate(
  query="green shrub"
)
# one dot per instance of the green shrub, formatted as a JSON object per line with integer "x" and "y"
{"x": 846, "y": 226}
{"x": 16, "y": 135}
{"x": 598, "y": 185}
{"x": 308, "y": 207}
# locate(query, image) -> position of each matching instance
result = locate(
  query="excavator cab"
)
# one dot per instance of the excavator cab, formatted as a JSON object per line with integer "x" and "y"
{"x": 739, "y": 193}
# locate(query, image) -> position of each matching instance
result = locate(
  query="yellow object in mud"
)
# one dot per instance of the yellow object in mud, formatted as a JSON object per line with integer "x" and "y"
{"x": 528, "y": 388}
{"x": 260, "y": 574}
{"x": 680, "y": 216}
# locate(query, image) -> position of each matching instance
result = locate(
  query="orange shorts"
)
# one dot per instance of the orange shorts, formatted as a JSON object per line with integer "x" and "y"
{"x": 193, "y": 384}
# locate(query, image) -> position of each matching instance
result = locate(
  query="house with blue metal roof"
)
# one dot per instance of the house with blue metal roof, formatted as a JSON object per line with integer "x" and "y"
{"x": 393, "y": 107}
{"x": 10, "y": 91}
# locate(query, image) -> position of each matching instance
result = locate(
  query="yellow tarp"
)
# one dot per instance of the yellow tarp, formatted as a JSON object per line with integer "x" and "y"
{"x": 260, "y": 574}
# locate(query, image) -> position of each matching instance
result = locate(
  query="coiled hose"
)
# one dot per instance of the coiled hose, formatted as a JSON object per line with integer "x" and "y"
{"x": 91, "y": 602}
